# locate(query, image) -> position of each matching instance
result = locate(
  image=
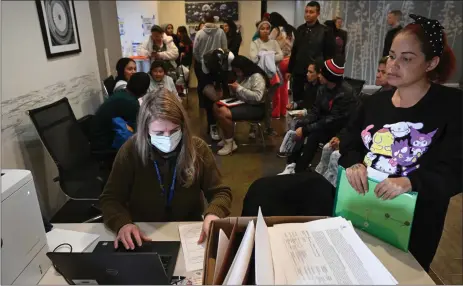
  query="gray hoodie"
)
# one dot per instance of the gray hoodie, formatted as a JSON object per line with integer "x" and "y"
{"x": 209, "y": 38}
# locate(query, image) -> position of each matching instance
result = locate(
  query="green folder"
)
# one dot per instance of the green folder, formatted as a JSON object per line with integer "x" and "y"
{"x": 388, "y": 220}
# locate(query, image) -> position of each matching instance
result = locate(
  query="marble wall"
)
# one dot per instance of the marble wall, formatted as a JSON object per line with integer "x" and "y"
{"x": 21, "y": 146}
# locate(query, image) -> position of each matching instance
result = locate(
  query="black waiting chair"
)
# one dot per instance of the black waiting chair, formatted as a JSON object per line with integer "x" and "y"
{"x": 80, "y": 175}
{"x": 357, "y": 84}
{"x": 108, "y": 86}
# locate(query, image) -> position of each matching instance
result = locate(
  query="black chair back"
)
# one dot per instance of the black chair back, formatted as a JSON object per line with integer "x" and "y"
{"x": 357, "y": 84}
{"x": 69, "y": 148}
{"x": 108, "y": 85}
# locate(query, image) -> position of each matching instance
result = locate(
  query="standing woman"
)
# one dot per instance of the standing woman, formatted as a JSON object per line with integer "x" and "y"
{"x": 233, "y": 36}
{"x": 160, "y": 173}
{"x": 185, "y": 47}
{"x": 411, "y": 138}
{"x": 125, "y": 68}
{"x": 283, "y": 33}
{"x": 265, "y": 44}
{"x": 169, "y": 30}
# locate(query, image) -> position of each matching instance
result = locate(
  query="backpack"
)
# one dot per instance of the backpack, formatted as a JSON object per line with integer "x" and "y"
{"x": 122, "y": 132}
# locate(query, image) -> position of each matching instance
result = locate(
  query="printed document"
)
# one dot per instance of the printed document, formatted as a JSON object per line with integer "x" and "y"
{"x": 192, "y": 251}
{"x": 327, "y": 251}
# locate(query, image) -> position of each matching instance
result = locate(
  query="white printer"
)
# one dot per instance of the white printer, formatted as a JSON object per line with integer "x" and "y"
{"x": 24, "y": 243}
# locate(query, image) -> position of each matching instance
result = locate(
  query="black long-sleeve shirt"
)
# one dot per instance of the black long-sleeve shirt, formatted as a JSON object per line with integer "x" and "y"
{"x": 423, "y": 142}
{"x": 389, "y": 37}
{"x": 331, "y": 109}
{"x": 311, "y": 43}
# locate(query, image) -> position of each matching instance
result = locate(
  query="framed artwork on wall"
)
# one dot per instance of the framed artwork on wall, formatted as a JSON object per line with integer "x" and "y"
{"x": 59, "y": 27}
{"x": 194, "y": 11}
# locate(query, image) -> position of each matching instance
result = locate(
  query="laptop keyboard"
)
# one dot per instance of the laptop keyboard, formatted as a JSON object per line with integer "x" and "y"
{"x": 165, "y": 260}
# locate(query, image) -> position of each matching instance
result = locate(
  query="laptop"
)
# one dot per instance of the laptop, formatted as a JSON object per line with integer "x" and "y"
{"x": 151, "y": 264}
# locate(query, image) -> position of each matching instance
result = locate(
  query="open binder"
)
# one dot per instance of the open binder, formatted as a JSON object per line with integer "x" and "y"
{"x": 388, "y": 220}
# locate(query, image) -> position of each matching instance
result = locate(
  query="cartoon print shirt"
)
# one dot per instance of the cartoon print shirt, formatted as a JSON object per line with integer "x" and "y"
{"x": 397, "y": 142}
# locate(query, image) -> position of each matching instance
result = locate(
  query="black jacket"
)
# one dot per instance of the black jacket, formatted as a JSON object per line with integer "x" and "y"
{"x": 234, "y": 43}
{"x": 389, "y": 37}
{"x": 316, "y": 43}
{"x": 331, "y": 109}
{"x": 310, "y": 94}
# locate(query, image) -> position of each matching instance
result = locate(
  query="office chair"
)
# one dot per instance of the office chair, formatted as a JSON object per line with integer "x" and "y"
{"x": 108, "y": 86}
{"x": 258, "y": 123}
{"x": 80, "y": 176}
{"x": 357, "y": 84}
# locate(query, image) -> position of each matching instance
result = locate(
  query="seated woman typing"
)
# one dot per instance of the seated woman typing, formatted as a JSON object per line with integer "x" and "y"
{"x": 160, "y": 173}
{"x": 251, "y": 88}
{"x": 125, "y": 68}
{"x": 159, "y": 79}
{"x": 410, "y": 139}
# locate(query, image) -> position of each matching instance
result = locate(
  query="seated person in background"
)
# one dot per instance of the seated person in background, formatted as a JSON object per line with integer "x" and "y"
{"x": 159, "y": 79}
{"x": 250, "y": 87}
{"x": 125, "y": 68}
{"x": 159, "y": 46}
{"x": 410, "y": 139}
{"x": 328, "y": 166}
{"x": 381, "y": 76}
{"x": 160, "y": 173}
{"x": 310, "y": 91}
{"x": 122, "y": 104}
{"x": 334, "y": 103}
{"x": 303, "y": 105}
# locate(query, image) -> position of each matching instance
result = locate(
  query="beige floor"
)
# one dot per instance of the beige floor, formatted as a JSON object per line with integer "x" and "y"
{"x": 251, "y": 162}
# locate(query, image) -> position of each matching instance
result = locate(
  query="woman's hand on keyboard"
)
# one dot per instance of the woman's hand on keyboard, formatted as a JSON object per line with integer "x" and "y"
{"x": 125, "y": 236}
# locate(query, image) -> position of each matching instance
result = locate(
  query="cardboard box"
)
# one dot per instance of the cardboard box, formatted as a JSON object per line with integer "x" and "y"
{"x": 234, "y": 228}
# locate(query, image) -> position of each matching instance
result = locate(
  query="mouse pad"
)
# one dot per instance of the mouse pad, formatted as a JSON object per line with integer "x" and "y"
{"x": 388, "y": 220}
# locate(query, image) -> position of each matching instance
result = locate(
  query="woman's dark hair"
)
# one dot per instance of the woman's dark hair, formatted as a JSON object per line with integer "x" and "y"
{"x": 139, "y": 84}
{"x": 447, "y": 64}
{"x": 249, "y": 68}
{"x": 318, "y": 65}
{"x": 277, "y": 20}
{"x": 199, "y": 25}
{"x": 331, "y": 24}
{"x": 158, "y": 64}
{"x": 157, "y": 29}
{"x": 232, "y": 28}
{"x": 184, "y": 38}
{"x": 120, "y": 67}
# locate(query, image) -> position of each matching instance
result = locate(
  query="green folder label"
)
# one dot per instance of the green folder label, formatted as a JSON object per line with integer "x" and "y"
{"x": 388, "y": 220}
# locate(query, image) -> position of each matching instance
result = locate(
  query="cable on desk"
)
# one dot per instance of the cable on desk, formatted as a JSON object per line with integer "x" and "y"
{"x": 56, "y": 268}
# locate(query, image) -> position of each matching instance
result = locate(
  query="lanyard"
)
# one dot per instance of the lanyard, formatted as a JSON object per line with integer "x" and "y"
{"x": 172, "y": 186}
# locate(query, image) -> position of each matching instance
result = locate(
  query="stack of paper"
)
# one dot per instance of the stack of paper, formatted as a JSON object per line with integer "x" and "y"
{"x": 192, "y": 251}
{"x": 78, "y": 240}
{"x": 323, "y": 251}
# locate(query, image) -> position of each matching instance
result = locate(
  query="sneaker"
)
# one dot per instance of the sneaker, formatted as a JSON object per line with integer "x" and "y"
{"x": 221, "y": 143}
{"x": 228, "y": 148}
{"x": 289, "y": 169}
{"x": 214, "y": 133}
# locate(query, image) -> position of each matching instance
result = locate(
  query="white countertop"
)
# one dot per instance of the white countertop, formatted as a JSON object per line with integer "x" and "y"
{"x": 402, "y": 265}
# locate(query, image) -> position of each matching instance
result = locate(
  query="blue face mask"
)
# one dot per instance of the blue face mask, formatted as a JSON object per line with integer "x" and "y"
{"x": 166, "y": 144}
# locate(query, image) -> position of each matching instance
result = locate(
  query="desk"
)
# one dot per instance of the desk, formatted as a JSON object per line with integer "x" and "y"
{"x": 402, "y": 266}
